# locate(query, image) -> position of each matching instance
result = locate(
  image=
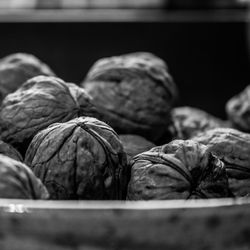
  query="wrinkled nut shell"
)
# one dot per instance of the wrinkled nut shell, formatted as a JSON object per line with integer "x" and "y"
{"x": 189, "y": 121}
{"x": 38, "y": 103}
{"x": 238, "y": 110}
{"x": 18, "y": 182}
{"x": 233, "y": 148}
{"x": 16, "y": 69}
{"x": 134, "y": 93}
{"x": 79, "y": 159}
{"x": 178, "y": 170}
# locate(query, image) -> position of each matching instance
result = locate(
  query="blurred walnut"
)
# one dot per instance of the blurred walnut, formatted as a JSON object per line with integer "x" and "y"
{"x": 134, "y": 93}
{"x": 189, "y": 121}
{"x": 238, "y": 110}
{"x": 16, "y": 69}
{"x": 18, "y": 182}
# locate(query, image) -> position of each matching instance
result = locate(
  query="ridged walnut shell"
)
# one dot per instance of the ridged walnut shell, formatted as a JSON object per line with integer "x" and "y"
{"x": 178, "y": 170}
{"x": 233, "y": 148}
{"x": 134, "y": 93}
{"x": 190, "y": 121}
{"x": 238, "y": 110}
{"x": 15, "y": 69}
{"x": 79, "y": 159}
{"x": 18, "y": 182}
{"x": 39, "y": 102}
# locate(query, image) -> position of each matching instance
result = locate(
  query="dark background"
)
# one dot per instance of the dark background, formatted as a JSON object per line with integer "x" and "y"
{"x": 208, "y": 61}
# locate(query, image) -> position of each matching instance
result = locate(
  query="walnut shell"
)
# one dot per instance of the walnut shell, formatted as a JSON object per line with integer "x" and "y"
{"x": 15, "y": 69}
{"x": 79, "y": 159}
{"x": 18, "y": 182}
{"x": 238, "y": 110}
{"x": 189, "y": 121}
{"x": 177, "y": 170}
{"x": 134, "y": 93}
{"x": 233, "y": 148}
{"x": 39, "y": 102}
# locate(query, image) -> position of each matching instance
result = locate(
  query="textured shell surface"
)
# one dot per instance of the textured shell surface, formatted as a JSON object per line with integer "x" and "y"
{"x": 189, "y": 121}
{"x": 39, "y": 102}
{"x": 233, "y": 148}
{"x": 79, "y": 159}
{"x": 178, "y": 170}
{"x": 15, "y": 69}
{"x": 134, "y": 93}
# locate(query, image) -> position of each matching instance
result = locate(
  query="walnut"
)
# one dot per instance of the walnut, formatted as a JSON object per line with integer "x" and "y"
{"x": 177, "y": 170}
{"x": 233, "y": 148}
{"x": 238, "y": 110}
{"x": 79, "y": 159}
{"x": 15, "y": 69}
{"x": 134, "y": 93}
{"x": 18, "y": 182}
{"x": 189, "y": 121}
{"x": 39, "y": 102}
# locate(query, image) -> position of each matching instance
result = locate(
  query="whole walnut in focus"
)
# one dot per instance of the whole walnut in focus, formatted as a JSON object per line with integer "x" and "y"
{"x": 18, "y": 182}
{"x": 80, "y": 159}
{"x": 177, "y": 170}
{"x": 238, "y": 110}
{"x": 233, "y": 148}
{"x": 39, "y": 102}
{"x": 189, "y": 121}
{"x": 134, "y": 93}
{"x": 15, "y": 69}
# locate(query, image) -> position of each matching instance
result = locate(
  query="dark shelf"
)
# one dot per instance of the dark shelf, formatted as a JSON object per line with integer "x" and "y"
{"x": 123, "y": 15}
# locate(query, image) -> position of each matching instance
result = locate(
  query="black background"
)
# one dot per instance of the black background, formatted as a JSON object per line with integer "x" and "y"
{"x": 208, "y": 61}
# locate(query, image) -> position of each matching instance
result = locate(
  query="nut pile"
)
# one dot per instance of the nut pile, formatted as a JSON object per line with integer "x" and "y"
{"x": 117, "y": 135}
